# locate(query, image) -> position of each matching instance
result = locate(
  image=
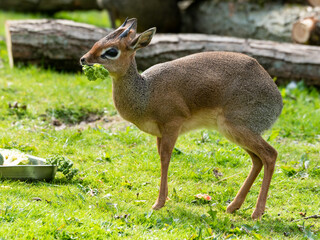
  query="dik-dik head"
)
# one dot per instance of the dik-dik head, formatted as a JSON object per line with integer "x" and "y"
{"x": 116, "y": 51}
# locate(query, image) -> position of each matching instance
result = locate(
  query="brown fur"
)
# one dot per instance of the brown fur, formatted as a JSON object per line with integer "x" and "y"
{"x": 229, "y": 92}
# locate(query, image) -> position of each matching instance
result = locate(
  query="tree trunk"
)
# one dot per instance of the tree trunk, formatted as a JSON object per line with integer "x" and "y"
{"x": 60, "y": 44}
{"x": 307, "y": 31}
{"x": 272, "y": 21}
{"x": 47, "y": 5}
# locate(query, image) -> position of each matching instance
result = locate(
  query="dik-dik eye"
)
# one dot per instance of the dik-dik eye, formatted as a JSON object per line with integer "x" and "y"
{"x": 110, "y": 53}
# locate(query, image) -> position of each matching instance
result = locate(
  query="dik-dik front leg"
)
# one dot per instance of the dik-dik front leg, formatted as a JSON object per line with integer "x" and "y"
{"x": 165, "y": 146}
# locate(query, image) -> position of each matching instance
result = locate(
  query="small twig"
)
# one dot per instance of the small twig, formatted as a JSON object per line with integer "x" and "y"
{"x": 313, "y": 216}
{"x": 223, "y": 179}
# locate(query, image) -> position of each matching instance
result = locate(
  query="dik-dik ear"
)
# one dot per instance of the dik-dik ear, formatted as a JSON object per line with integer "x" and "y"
{"x": 143, "y": 39}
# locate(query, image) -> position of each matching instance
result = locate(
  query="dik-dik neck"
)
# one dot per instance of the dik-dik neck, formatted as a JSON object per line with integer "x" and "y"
{"x": 130, "y": 94}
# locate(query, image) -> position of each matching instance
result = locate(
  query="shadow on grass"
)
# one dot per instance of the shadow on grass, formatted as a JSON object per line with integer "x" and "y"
{"x": 216, "y": 221}
{"x": 60, "y": 181}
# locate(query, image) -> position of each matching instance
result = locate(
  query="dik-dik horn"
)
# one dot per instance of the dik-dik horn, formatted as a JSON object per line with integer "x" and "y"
{"x": 226, "y": 91}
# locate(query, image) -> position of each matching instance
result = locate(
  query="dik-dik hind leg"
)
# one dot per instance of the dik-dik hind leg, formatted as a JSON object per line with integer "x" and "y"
{"x": 165, "y": 147}
{"x": 268, "y": 155}
{"x": 241, "y": 195}
{"x": 258, "y": 149}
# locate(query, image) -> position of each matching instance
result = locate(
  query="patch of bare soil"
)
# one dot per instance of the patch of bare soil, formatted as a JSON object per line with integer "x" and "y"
{"x": 113, "y": 123}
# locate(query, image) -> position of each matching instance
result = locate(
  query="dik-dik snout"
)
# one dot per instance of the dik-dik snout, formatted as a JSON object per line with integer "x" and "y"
{"x": 229, "y": 92}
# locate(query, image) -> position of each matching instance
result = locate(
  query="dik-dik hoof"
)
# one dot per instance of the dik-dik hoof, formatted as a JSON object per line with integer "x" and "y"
{"x": 232, "y": 207}
{"x": 158, "y": 205}
{"x": 256, "y": 215}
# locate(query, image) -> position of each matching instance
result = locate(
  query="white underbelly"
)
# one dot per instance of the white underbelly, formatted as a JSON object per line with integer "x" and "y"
{"x": 150, "y": 127}
{"x": 209, "y": 119}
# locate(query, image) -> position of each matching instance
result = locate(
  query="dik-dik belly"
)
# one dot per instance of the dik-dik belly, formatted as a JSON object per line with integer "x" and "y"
{"x": 210, "y": 119}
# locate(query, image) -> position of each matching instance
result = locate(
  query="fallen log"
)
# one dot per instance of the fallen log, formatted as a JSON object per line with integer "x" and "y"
{"x": 307, "y": 31}
{"x": 55, "y": 43}
{"x": 282, "y": 60}
{"x": 49, "y": 6}
{"x": 60, "y": 44}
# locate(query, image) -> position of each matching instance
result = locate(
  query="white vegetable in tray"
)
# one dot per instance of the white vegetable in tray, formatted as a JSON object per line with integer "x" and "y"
{"x": 12, "y": 157}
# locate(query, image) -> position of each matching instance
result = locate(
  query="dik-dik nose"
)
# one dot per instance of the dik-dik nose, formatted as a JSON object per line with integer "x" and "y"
{"x": 83, "y": 61}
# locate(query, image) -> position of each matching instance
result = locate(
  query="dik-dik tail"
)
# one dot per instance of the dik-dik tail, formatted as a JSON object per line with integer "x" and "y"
{"x": 229, "y": 92}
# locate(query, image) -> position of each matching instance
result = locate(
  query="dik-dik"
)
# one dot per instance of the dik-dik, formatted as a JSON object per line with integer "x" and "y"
{"x": 229, "y": 92}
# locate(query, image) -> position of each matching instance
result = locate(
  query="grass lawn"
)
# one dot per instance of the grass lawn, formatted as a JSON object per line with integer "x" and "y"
{"x": 119, "y": 168}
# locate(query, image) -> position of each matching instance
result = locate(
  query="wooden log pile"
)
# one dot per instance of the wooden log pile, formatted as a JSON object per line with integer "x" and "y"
{"x": 61, "y": 43}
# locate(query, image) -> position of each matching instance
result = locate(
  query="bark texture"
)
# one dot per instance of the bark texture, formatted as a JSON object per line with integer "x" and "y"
{"x": 47, "y": 5}
{"x": 60, "y": 44}
{"x": 272, "y": 21}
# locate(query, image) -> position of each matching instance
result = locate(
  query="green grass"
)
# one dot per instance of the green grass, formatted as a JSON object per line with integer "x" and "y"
{"x": 112, "y": 195}
{"x": 8, "y": 15}
{"x": 98, "y": 18}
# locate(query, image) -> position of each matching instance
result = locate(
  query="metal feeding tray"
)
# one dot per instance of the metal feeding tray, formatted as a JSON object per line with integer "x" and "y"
{"x": 38, "y": 169}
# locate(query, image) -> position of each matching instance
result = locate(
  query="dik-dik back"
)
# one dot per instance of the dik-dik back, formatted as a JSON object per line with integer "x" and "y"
{"x": 229, "y": 92}
{"x": 230, "y": 84}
